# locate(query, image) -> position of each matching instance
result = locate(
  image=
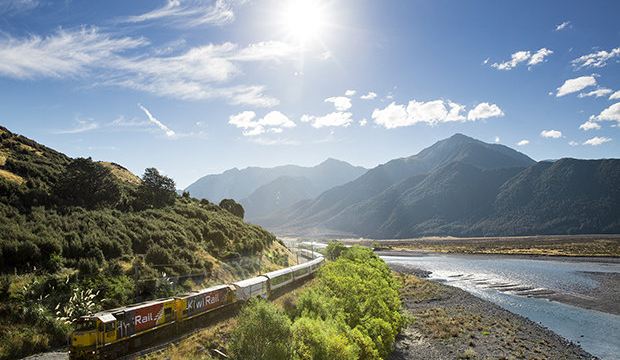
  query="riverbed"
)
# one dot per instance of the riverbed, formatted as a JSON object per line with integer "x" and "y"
{"x": 553, "y": 292}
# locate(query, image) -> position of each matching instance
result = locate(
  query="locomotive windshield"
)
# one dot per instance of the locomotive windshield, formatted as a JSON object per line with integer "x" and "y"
{"x": 85, "y": 325}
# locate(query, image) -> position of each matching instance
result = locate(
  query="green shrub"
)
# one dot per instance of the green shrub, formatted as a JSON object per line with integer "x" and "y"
{"x": 263, "y": 333}
{"x": 359, "y": 291}
{"x": 233, "y": 207}
{"x": 315, "y": 339}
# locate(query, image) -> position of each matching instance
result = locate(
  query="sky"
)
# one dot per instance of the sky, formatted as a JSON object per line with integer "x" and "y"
{"x": 199, "y": 87}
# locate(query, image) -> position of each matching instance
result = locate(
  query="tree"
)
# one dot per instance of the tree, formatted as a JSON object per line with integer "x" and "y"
{"x": 87, "y": 184}
{"x": 334, "y": 249}
{"x": 263, "y": 333}
{"x": 156, "y": 190}
{"x": 232, "y": 207}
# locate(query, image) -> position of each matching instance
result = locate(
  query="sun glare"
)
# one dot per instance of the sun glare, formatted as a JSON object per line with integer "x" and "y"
{"x": 303, "y": 20}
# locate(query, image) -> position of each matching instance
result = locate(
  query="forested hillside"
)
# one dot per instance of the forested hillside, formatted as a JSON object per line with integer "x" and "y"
{"x": 77, "y": 236}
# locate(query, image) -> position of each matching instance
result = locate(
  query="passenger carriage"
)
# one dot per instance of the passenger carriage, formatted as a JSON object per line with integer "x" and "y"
{"x": 252, "y": 288}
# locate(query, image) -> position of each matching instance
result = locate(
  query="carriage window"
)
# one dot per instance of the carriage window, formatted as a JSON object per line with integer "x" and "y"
{"x": 109, "y": 326}
{"x": 168, "y": 312}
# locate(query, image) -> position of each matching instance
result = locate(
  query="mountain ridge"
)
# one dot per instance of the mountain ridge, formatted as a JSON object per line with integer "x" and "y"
{"x": 463, "y": 187}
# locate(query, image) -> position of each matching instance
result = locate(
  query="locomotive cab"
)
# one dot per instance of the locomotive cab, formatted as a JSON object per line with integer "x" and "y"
{"x": 84, "y": 337}
{"x": 91, "y": 332}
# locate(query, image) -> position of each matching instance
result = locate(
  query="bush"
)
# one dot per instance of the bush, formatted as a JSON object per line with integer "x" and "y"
{"x": 334, "y": 249}
{"x": 358, "y": 290}
{"x": 263, "y": 333}
{"x": 315, "y": 339}
{"x": 232, "y": 207}
{"x": 88, "y": 266}
{"x": 87, "y": 184}
{"x": 155, "y": 190}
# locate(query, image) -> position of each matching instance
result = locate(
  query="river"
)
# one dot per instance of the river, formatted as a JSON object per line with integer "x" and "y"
{"x": 521, "y": 285}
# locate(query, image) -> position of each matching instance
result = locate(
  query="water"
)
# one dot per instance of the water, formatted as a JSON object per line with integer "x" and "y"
{"x": 507, "y": 282}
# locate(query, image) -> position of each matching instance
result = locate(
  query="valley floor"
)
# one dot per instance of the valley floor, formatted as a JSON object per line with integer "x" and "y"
{"x": 540, "y": 245}
{"x": 449, "y": 323}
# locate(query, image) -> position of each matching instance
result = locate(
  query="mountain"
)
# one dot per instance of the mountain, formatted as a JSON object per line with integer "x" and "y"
{"x": 462, "y": 186}
{"x": 265, "y": 190}
{"x": 456, "y": 148}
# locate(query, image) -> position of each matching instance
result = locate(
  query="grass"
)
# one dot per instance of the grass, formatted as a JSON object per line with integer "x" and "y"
{"x": 121, "y": 173}
{"x": 577, "y": 245}
{"x": 419, "y": 290}
{"x": 12, "y": 177}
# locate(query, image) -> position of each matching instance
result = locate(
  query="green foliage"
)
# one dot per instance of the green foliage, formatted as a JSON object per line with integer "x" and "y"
{"x": 233, "y": 207}
{"x": 156, "y": 190}
{"x": 334, "y": 249}
{"x": 315, "y": 339}
{"x": 358, "y": 292}
{"x": 87, "y": 184}
{"x": 263, "y": 333}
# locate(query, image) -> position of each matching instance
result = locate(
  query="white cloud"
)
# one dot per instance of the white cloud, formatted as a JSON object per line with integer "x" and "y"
{"x": 273, "y": 122}
{"x": 554, "y": 134}
{"x": 539, "y": 56}
{"x": 612, "y": 113}
{"x": 333, "y": 119}
{"x": 484, "y": 110}
{"x": 363, "y": 122}
{"x": 83, "y": 125}
{"x": 349, "y": 93}
{"x": 589, "y": 125}
{"x": 577, "y": 84}
{"x": 189, "y": 13}
{"x": 341, "y": 103}
{"x": 596, "y": 93}
{"x": 13, "y": 7}
{"x": 596, "y": 59}
{"x": 573, "y": 143}
{"x": 392, "y": 116}
{"x": 243, "y": 120}
{"x": 523, "y": 142}
{"x": 265, "y": 51}
{"x": 562, "y": 26}
{"x": 164, "y": 128}
{"x": 65, "y": 53}
{"x": 597, "y": 140}
{"x": 276, "y": 119}
{"x": 431, "y": 112}
{"x": 199, "y": 73}
{"x": 615, "y": 95}
{"x": 370, "y": 96}
{"x": 497, "y": 139}
{"x": 515, "y": 59}
{"x": 522, "y": 56}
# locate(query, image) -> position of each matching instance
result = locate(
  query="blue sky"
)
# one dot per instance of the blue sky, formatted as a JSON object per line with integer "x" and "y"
{"x": 195, "y": 87}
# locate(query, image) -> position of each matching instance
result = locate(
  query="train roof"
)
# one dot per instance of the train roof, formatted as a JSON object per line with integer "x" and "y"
{"x": 250, "y": 282}
{"x": 280, "y": 272}
{"x": 133, "y": 306}
{"x": 201, "y": 291}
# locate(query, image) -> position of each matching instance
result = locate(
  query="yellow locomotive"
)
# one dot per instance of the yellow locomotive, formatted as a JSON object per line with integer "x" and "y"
{"x": 111, "y": 333}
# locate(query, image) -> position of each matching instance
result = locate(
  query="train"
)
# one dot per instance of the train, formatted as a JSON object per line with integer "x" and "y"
{"x": 112, "y": 333}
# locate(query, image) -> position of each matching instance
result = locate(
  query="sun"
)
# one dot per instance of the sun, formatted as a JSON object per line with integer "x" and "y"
{"x": 304, "y": 20}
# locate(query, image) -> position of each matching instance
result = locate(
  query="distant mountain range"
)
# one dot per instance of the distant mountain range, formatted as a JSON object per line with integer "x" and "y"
{"x": 263, "y": 191}
{"x": 462, "y": 186}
